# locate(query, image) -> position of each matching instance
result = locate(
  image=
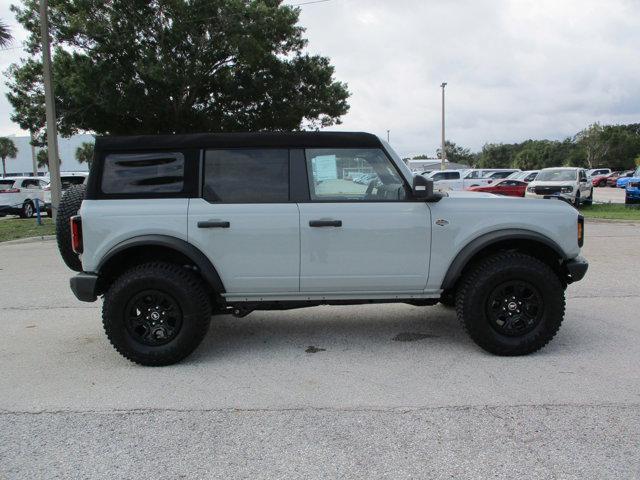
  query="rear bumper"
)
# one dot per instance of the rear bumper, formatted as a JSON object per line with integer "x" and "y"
{"x": 83, "y": 286}
{"x": 576, "y": 269}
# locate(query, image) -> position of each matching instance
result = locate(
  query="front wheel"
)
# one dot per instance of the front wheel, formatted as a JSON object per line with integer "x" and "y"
{"x": 156, "y": 314}
{"x": 576, "y": 201}
{"x": 511, "y": 304}
{"x": 27, "y": 210}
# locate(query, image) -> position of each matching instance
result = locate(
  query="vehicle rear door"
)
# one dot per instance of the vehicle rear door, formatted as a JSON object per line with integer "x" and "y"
{"x": 245, "y": 222}
{"x": 361, "y": 238}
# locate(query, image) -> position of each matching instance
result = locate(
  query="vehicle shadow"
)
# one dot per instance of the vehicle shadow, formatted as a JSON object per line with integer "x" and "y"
{"x": 319, "y": 329}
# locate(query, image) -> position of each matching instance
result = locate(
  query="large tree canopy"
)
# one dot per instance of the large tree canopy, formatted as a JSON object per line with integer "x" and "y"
{"x": 175, "y": 66}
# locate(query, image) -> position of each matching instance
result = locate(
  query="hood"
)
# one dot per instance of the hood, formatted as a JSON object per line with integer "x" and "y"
{"x": 471, "y": 194}
{"x": 557, "y": 183}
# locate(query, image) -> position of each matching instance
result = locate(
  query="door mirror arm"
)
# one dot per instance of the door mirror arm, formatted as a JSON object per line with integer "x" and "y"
{"x": 422, "y": 189}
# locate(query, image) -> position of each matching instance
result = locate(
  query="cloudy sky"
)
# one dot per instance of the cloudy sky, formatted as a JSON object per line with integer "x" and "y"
{"x": 516, "y": 69}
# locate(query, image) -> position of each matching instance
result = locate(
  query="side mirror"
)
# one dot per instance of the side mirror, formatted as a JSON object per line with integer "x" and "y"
{"x": 423, "y": 189}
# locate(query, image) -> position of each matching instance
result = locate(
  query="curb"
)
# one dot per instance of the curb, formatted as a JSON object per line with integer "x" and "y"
{"x": 18, "y": 241}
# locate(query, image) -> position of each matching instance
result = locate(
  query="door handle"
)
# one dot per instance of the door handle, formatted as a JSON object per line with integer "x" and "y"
{"x": 214, "y": 224}
{"x": 325, "y": 223}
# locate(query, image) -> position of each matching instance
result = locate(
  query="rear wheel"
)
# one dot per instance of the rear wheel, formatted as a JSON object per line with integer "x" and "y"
{"x": 156, "y": 314}
{"x": 510, "y": 303}
{"x": 69, "y": 206}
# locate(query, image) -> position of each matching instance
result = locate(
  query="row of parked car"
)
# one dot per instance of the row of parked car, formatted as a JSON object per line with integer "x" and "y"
{"x": 19, "y": 195}
{"x": 573, "y": 184}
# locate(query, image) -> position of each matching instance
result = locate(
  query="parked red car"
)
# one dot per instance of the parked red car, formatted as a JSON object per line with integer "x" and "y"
{"x": 601, "y": 180}
{"x": 510, "y": 188}
{"x": 613, "y": 178}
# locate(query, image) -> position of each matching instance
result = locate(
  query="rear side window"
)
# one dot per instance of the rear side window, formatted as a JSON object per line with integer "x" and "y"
{"x": 246, "y": 176}
{"x": 6, "y": 184}
{"x": 140, "y": 173}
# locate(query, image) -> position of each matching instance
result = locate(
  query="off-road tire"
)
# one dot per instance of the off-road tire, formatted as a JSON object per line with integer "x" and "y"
{"x": 488, "y": 274}
{"x": 629, "y": 201}
{"x": 188, "y": 291}
{"x": 27, "y": 209}
{"x": 69, "y": 206}
{"x": 448, "y": 299}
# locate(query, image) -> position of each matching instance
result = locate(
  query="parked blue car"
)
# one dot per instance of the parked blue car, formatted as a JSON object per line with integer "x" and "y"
{"x": 632, "y": 188}
{"x": 623, "y": 181}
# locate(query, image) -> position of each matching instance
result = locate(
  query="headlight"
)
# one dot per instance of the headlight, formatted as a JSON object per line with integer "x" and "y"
{"x": 531, "y": 189}
{"x": 566, "y": 189}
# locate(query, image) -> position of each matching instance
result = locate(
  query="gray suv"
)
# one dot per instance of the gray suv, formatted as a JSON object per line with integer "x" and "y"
{"x": 173, "y": 230}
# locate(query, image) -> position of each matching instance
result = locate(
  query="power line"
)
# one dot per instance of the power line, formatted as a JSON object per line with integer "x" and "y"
{"x": 308, "y": 3}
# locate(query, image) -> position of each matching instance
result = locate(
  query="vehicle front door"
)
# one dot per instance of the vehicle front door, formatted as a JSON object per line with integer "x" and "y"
{"x": 246, "y": 223}
{"x": 361, "y": 237}
{"x": 584, "y": 185}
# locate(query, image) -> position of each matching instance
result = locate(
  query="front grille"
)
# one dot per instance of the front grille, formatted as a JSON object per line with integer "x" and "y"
{"x": 547, "y": 190}
{"x": 634, "y": 184}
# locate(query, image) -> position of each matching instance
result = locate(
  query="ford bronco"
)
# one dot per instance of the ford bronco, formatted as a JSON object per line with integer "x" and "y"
{"x": 172, "y": 230}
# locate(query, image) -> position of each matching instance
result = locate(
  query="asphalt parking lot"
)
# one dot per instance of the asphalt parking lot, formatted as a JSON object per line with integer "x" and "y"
{"x": 391, "y": 391}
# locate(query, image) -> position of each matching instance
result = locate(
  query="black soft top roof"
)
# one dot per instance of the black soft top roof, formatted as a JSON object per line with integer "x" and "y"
{"x": 240, "y": 140}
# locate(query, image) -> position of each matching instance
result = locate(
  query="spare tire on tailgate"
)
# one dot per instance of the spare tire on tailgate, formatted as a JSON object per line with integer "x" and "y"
{"x": 69, "y": 206}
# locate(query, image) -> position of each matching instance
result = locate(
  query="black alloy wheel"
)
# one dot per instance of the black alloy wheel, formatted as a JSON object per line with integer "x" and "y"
{"x": 153, "y": 317}
{"x": 515, "y": 308}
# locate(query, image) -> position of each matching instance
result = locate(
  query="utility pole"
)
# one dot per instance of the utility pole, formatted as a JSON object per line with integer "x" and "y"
{"x": 33, "y": 155}
{"x": 443, "y": 155}
{"x": 50, "y": 106}
{"x": 388, "y": 135}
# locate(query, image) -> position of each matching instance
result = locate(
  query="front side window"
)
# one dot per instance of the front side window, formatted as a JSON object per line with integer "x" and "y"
{"x": 473, "y": 174}
{"x": 246, "y": 176}
{"x": 135, "y": 173}
{"x": 31, "y": 184}
{"x": 353, "y": 175}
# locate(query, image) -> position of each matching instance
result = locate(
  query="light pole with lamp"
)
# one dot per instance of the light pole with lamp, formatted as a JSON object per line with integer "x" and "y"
{"x": 443, "y": 155}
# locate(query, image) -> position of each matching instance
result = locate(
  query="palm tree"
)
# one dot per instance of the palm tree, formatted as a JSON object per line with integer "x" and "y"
{"x": 43, "y": 158}
{"x": 5, "y": 36}
{"x": 7, "y": 150}
{"x": 84, "y": 153}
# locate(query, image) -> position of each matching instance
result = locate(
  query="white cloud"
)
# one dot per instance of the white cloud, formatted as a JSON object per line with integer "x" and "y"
{"x": 516, "y": 69}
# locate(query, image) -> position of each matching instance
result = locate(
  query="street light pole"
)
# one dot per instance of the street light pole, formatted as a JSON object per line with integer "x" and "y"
{"x": 443, "y": 155}
{"x": 50, "y": 107}
{"x": 388, "y": 135}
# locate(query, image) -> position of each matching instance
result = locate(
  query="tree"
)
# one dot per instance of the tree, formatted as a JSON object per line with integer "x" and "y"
{"x": 456, "y": 153}
{"x": 26, "y": 95}
{"x": 7, "y": 150}
{"x": 592, "y": 141}
{"x": 5, "y": 34}
{"x": 178, "y": 66}
{"x": 43, "y": 158}
{"x": 84, "y": 153}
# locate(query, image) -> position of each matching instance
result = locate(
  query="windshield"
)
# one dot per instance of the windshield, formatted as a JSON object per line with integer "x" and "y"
{"x": 557, "y": 175}
{"x": 406, "y": 171}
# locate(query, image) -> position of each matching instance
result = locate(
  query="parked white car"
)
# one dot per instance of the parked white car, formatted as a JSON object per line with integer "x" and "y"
{"x": 568, "y": 182}
{"x": 68, "y": 179}
{"x": 594, "y": 172}
{"x": 18, "y": 195}
{"x": 524, "y": 176}
{"x": 445, "y": 180}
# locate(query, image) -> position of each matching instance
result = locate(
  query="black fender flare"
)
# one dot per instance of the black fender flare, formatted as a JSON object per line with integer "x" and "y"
{"x": 483, "y": 241}
{"x": 201, "y": 261}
